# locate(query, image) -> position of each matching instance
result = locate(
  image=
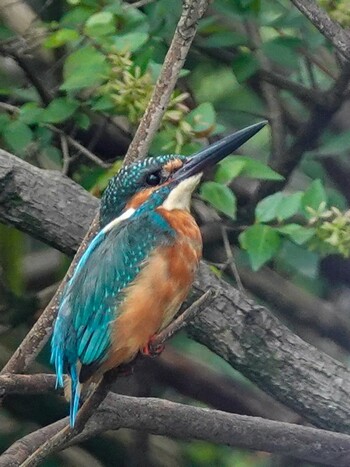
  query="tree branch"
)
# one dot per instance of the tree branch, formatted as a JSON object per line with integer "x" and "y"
{"x": 270, "y": 95}
{"x": 329, "y": 28}
{"x": 308, "y": 133}
{"x": 186, "y": 29}
{"x": 153, "y": 415}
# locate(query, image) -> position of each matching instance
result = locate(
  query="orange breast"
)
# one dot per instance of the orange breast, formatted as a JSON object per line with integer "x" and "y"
{"x": 159, "y": 290}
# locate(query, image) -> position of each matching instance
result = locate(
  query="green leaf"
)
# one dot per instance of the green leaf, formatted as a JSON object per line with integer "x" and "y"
{"x": 225, "y": 39}
{"x": 251, "y": 168}
{"x": 289, "y": 205}
{"x": 219, "y": 196}
{"x": 43, "y": 136}
{"x": 244, "y": 66}
{"x": 227, "y": 172}
{"x": 297, "y": 233}
{"x": 4, "y": 121}
{"x": 85, "y": 67}
{"x": 103, "y": 103}
{"x": 256, "y": 169}
{"x": 50, "y": 158}
{"x": 261, "y": 243}
{"x": 75, "y": 17}
{"x": 59, "y": 110}
{"x": 130, "y": 42}
{"x": 61, "y": 37}
{"x": 266, "y": 209}
{"x": 202, "y": 118}
{"x": 283, "y": 51}
{"x": 314, "y": 196}
{"x": 82, "y": 120}
{"x": 334, "y": 144}
{"x": 279, "y": 206}
{"x": 17, "y": 135}
{"x": 31, "y": 113}
{"x": 100, "y": 24}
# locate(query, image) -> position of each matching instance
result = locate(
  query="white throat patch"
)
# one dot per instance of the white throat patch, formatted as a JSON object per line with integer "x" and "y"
{"x": 180, "y": 196}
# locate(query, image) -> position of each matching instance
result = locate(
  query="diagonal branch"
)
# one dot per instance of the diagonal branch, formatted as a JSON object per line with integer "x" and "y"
{"x": 192, "y": 11}
{"x": 186, "y": 29}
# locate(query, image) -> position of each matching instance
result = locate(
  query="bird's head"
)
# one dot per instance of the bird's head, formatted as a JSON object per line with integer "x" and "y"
{"x": 167, "y": 180}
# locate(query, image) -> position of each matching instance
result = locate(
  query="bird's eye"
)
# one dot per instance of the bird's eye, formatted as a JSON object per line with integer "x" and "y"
{"x": 153, "y": 179}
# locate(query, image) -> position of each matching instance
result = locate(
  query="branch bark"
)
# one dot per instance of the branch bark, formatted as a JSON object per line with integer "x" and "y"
{"x": 153, "y": 415}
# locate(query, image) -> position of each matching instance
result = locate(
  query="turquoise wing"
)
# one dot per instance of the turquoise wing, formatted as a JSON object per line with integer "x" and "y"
{"x": 90, "y": 299}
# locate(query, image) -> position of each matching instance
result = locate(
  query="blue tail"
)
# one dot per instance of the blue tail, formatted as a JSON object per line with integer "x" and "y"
{"x": 61, "y": 359}
{"x": 75, "y": 395}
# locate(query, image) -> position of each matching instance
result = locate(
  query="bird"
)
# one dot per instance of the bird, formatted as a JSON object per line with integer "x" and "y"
{"x": 138, "y": 269}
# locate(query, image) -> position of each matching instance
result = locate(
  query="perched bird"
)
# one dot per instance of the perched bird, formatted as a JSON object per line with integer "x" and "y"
{"x": 137, "y": 270}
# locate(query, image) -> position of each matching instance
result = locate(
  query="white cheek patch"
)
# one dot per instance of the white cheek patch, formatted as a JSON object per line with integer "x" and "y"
{"x": 128, "y": 213}
{"x": 180, "y": 196}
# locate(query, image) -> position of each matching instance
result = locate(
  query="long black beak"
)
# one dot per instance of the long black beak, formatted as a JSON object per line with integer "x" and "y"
{"x": 217, "y": 151}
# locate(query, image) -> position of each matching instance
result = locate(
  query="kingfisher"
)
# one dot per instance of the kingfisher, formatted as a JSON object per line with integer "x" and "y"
{"x": 137, "y": 270}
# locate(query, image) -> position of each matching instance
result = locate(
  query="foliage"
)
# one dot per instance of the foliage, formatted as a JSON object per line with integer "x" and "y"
{"x": 338, "y": 10}
{"x": 110, "y": 69}
{"x": 105, "y": 58}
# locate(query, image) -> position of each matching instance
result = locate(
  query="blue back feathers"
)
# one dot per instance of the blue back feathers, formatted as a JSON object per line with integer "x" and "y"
{"x": 91, "y": 299}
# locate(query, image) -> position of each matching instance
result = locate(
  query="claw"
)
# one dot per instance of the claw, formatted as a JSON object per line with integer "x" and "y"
{"x": 152, "y": 350}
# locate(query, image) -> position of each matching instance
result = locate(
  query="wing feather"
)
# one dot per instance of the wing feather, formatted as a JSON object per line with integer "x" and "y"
{"x": 91, "y": 299}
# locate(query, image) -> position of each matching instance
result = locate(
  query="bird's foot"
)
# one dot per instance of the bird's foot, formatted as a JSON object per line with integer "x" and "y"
{"x": 151, "y": 349}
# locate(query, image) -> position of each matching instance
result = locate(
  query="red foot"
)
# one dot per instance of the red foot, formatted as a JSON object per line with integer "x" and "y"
{"x": 152, "y": 350}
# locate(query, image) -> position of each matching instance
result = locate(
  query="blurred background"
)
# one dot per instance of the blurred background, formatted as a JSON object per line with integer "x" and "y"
{"x": 75, "y": 79}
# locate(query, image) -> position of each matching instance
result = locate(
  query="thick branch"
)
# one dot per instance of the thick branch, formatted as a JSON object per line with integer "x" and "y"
{"x": 153, "y": 415}
{"x": 28, "y": 196}
{"x": 243, "y": 333}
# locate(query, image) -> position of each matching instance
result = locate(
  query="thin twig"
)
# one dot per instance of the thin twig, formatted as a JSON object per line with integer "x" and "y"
{"x": 231, "y": 260}
{"x": 186, "y": 29}
{"x": 79, "y": 147}
{"x": 271, "y": 96}
{"x": 71, "y": 141}
{"x": 182, "y": 320}
{"x": 65, "y": 435}
{"x": 65, "y": 154}
{"x": 139, "y": 4}
{"x": 307, "y": 95}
